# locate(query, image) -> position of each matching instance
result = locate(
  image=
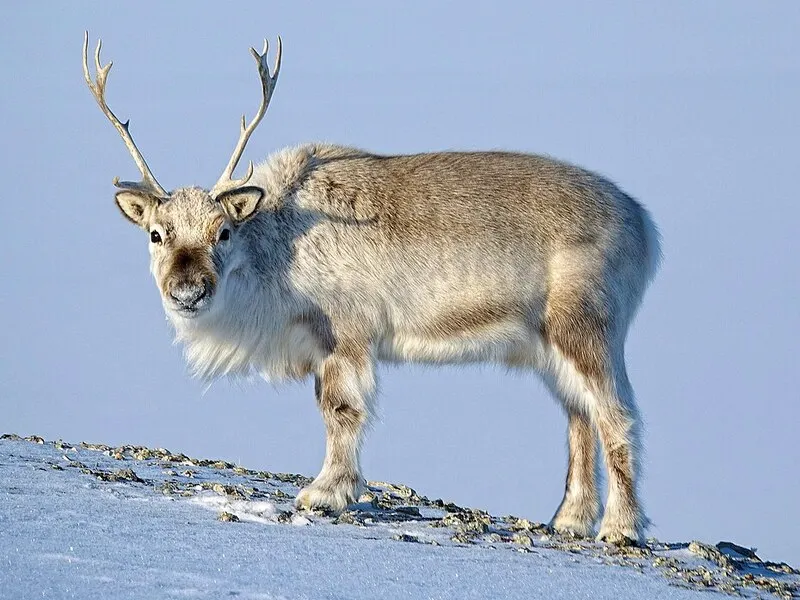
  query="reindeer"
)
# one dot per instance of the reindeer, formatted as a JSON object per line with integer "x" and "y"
{"x": 325, "y": 260}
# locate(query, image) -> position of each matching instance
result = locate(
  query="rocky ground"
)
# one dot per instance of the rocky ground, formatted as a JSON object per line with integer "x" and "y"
{"x": 238, "y": 495}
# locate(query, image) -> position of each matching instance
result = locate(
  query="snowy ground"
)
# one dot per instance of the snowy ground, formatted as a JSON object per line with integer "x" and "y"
{"x": 89, "y": 521}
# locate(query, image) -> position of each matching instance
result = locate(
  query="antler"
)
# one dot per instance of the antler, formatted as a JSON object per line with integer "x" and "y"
{"x": 268, "y": 82}
{"x": 98, "y": 88}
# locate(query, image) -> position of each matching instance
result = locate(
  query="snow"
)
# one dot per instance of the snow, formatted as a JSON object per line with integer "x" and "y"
{"x": 68, "y": 529}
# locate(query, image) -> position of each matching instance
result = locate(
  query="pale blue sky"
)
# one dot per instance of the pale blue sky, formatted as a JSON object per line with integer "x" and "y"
{"x": 691, "y": 106}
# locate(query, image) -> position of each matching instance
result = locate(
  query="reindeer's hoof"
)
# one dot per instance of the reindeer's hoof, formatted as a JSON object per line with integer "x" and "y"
{"x": 574, "y": 527}
{"x": 620, "y": 536}
{"x": 333, "y": 494}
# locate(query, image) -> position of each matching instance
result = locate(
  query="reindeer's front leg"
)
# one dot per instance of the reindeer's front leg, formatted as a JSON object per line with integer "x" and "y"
{"x": 345, "y": 388}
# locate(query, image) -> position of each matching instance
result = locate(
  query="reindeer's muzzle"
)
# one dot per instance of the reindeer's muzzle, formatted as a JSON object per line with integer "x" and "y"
{"x": 190, "y": 281}
{"x": 190, "y": 297}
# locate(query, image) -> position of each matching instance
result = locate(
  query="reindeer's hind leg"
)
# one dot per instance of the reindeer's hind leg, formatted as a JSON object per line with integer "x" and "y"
{"x": 588, "y": 362}
{"x": 618, "y": 426}
{"x": 580, "y": 508}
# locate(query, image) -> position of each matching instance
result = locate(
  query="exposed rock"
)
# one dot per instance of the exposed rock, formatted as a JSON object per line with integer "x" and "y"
{"x": 405, "y": 537}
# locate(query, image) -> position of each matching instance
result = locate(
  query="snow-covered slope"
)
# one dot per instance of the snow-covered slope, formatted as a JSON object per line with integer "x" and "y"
{"x": 90, "y": 521}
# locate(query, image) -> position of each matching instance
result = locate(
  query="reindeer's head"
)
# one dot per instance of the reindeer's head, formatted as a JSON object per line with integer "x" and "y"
{"x": 192, "y": 231}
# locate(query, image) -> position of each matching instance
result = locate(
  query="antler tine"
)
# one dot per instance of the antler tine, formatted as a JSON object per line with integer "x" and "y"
{"x": 268, "y": 82}
{"x": 98, "y": 88}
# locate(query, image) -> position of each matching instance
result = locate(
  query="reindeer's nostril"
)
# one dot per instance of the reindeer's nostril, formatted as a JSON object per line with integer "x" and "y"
{"x": 189, "y": 295}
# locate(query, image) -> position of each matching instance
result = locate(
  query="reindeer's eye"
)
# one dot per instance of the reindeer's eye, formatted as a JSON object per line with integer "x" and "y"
{"x": 224, "y": 235}
{"x": 155, "y": 237}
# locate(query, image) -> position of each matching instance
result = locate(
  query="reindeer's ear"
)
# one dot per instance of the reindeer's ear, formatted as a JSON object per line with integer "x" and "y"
{"x": 241, "y": 203}
{"x": 135, "y": 206}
